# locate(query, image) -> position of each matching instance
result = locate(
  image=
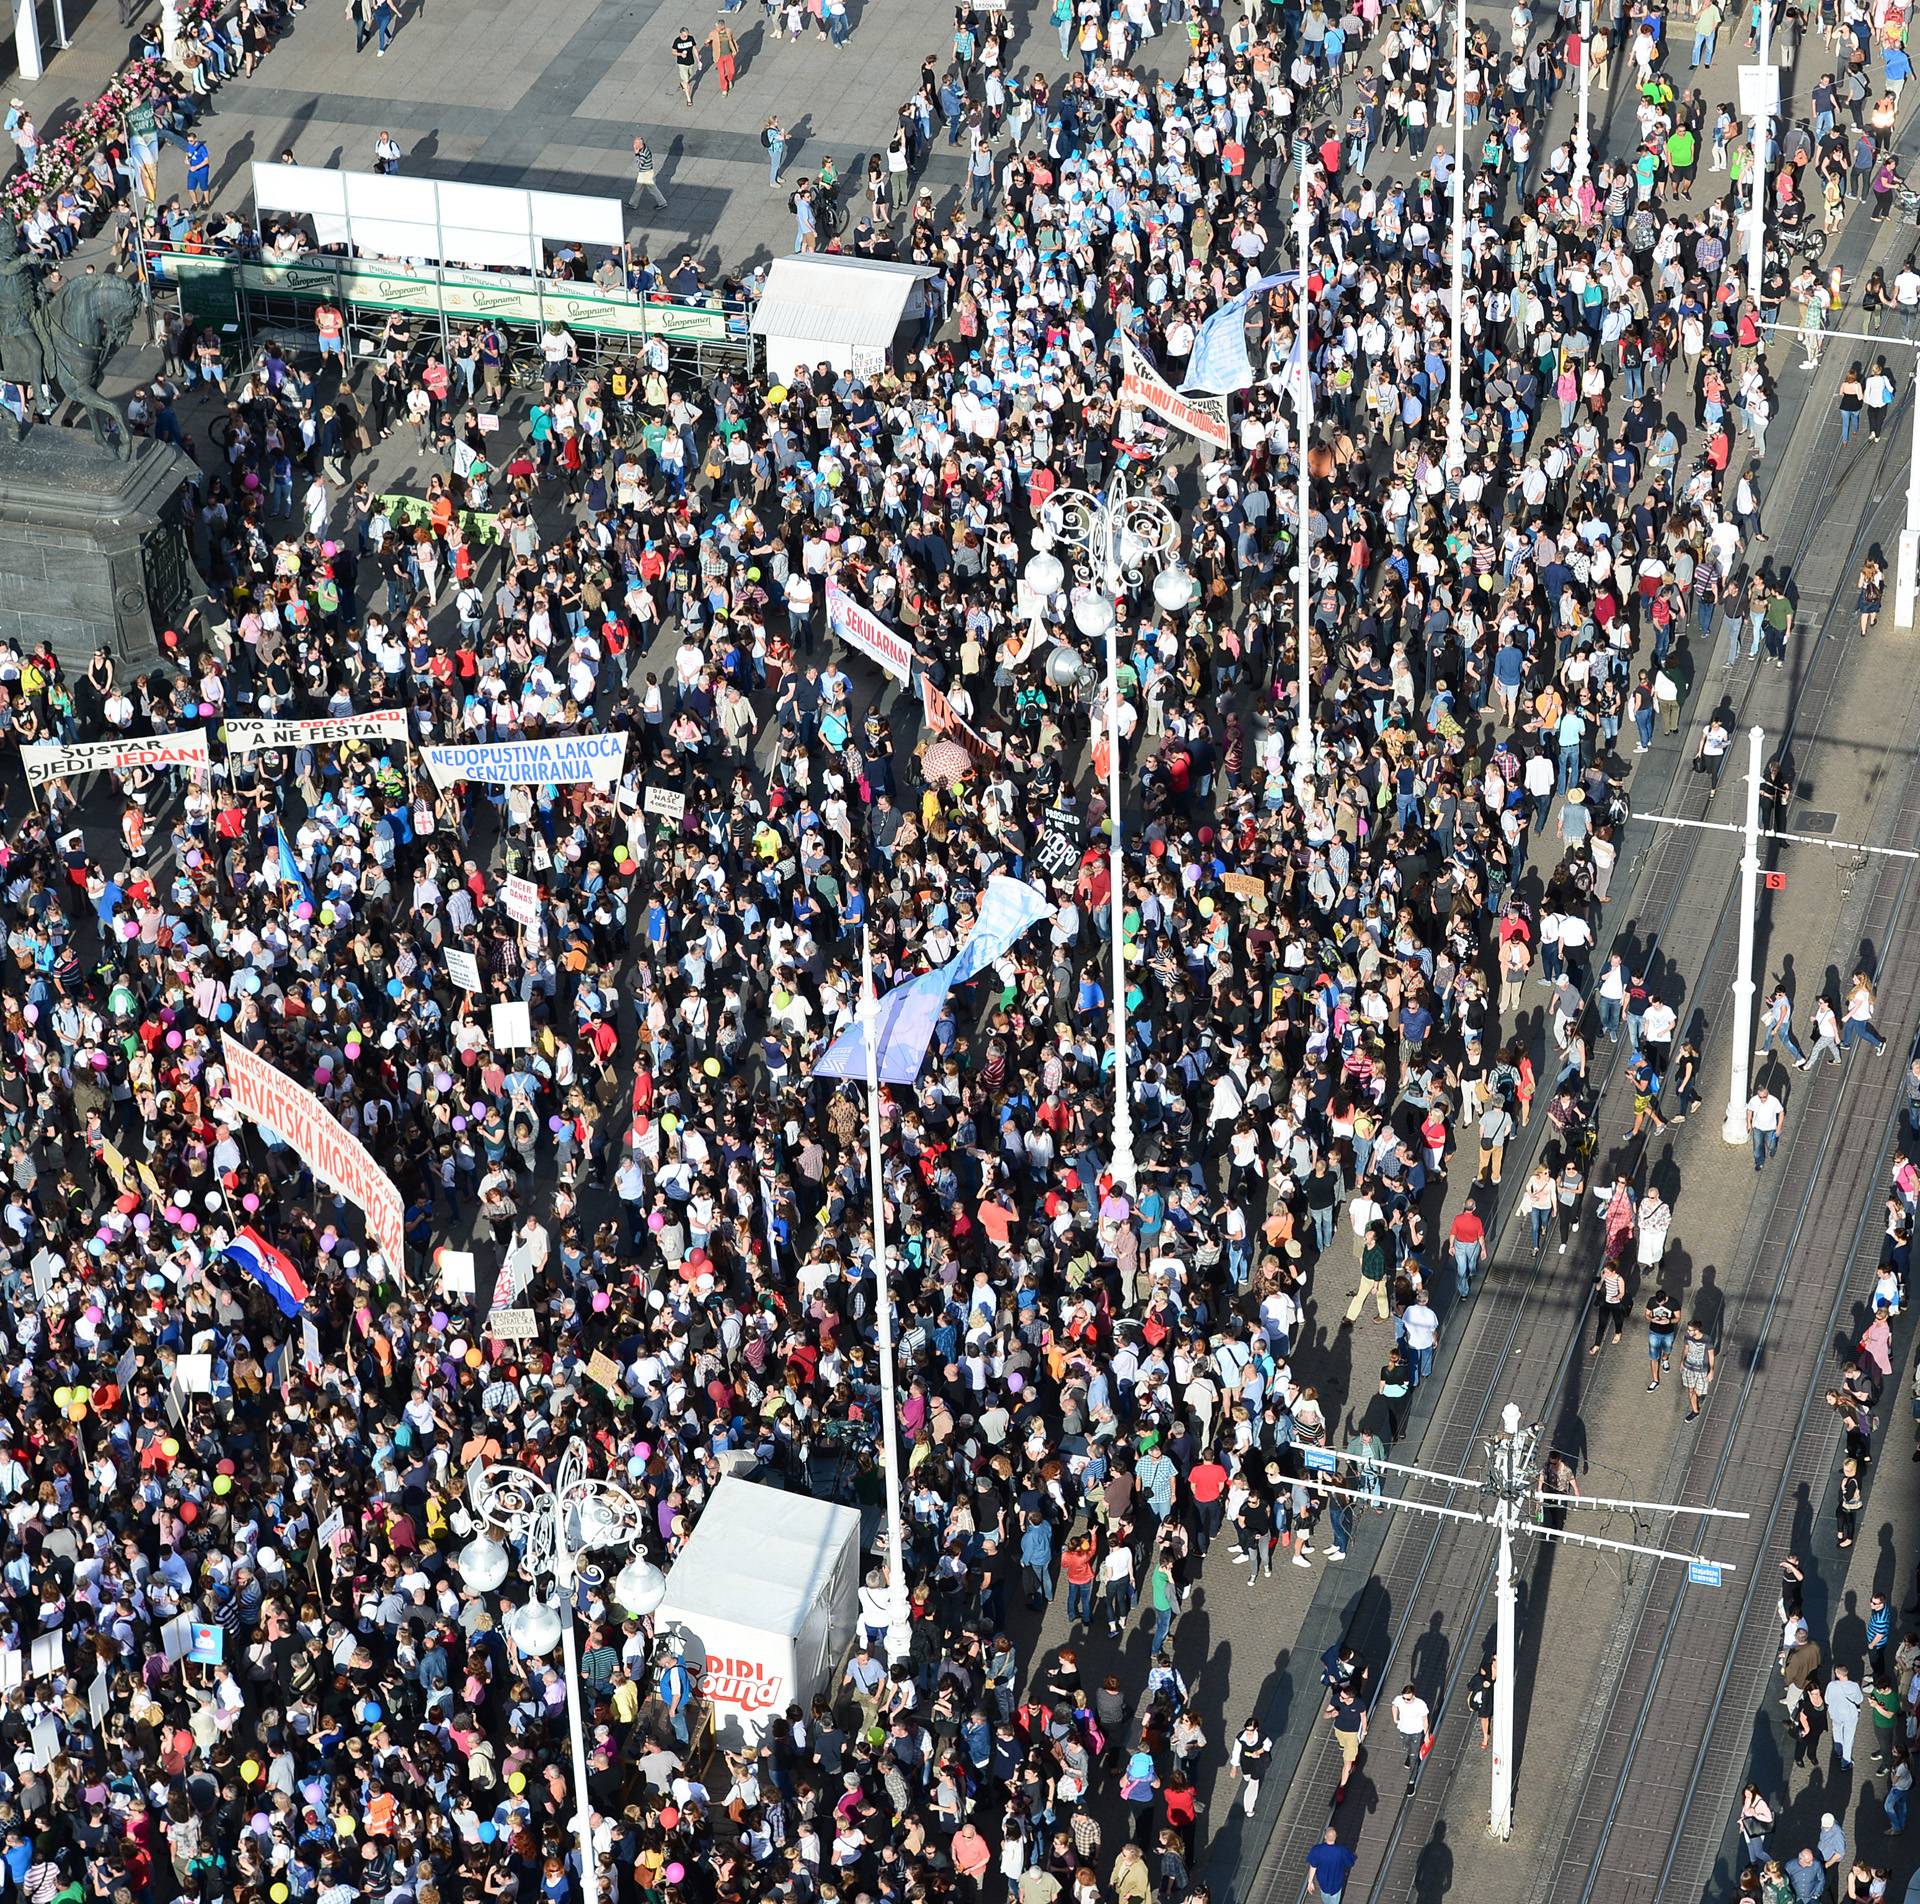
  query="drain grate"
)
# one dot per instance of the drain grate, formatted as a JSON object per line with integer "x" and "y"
{"x": 1812, "y": 820}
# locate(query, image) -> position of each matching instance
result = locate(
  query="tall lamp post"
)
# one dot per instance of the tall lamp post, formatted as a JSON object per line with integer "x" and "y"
{"x": 556, "y": 1524}
{"x": 1456, "y": 316}
{"x": 1582, "y": 138}
{"x": 1121, "y": 534}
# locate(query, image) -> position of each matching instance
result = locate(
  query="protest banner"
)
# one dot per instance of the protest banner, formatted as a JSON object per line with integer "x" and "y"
{"x": 559, "y": 760}
{"x": 861, "y": 628}
{"x": 513, "y": 1325}
{"x": 266, "y": 1094}
{"x": 388, "y": 728}
{"x": 521, "y": 898}
{"x": 1244, "y": 885}
{"x": 463, "y": 968}
{"x": 52, "y": 760}
{"x": 458, "y": 1272}
{"x": 512, "y": 1025}
{"x": 664, "y": 802}
{"x": 1143, "y": 388}
{"x": 1058, "y": 848}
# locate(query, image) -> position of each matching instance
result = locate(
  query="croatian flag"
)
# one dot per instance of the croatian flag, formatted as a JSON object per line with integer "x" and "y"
{"x": 272, "y": 1269}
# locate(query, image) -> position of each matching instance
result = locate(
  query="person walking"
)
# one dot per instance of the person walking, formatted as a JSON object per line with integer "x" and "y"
{"x": 1662, "y": 1322}
{"x": 1414, "y": 1723}
{"x": 1776, "y": 1027}
{"x": 1349, "y": 1718}
{"x": 726, "y": 54}
{"x": 1480, "y": 1699}
{"x": 1610, "y": 1296}
{"x": 199, "y": 172}
{"x": 1249, "y": 1757}
{"x": 386, "y": 20}
{"x": 1844, "y": 1702}
{"x": 1696, "y": 1368}
{"x": 686, "y": 59}
{"x": 1872, "y": 592}
{"x": 1859, "y": 1019}
{"x": 1826, "y": 1035}
{"x": 1373, "y": 1277}
{"x": 773, "y": 138}
{"x": 1765, "y": 1115}
{"x": 646, "y": 173}
{"x": 1496, "y": 1127}
{"x": 1329, "y": 1865}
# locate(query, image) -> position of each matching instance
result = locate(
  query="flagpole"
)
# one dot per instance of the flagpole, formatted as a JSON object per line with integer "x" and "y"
{"x": 899, "y": 1634}
{"x": 1303, "y": 396}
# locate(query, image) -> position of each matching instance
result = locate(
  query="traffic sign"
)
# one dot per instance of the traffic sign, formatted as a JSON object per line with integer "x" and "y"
{"x": 1703, "y": 1573}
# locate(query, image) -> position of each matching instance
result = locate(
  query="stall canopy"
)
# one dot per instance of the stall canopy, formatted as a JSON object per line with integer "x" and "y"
{"x": 840, "y": 311}
{"x": 762, "y": 1601}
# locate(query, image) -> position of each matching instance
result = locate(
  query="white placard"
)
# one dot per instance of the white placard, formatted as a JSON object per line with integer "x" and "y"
{"x": 194, "y": 1373}
{"x": 512, "y": 1025}
{"x": 331, "y": 1528}
{"x": 663, "y": 801}
{"x": 458, "y": 1275}
{"x": 176, "y": 1637}
{"x": 521, "y": 898}
{"x": 49, "y": 1655}
{"x": 463, "y": 968}
{"x": 44, "y": 1736}
{"x": 98, "y": 1699}
{"x": 310, "y": 1352}
{"x": 46, "y": 1266}
{"x": 515, "y": 1325}
{"x": 1759, "y": 92}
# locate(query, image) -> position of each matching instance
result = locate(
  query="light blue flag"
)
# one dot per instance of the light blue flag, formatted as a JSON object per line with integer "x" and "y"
{"x": 290, "y": 873}
{"x": 908, "y": 1014}
{"x": 1219, "y": 364}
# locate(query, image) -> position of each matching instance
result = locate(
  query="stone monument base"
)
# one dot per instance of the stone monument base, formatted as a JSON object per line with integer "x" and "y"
{"x": 94, "y": 552}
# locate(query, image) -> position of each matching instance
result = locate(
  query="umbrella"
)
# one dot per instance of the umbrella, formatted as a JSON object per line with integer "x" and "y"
{"x": 947, "y": 761}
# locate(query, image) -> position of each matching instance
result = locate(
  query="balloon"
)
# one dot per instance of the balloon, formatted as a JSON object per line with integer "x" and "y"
{"x": 77, "y": 1411}
{"x": 224, "y": 1013}
{"x": 278, "y": 1894}
{"x": 556, "y": 1125}
{"x": 223, "y": 1484}
{"x": 188, "y": 1221}
{"x": 474, "y": 1358}
{"x": 670, "y": 1123}
{"x": 143, "y": 1223}
{"x": 711, "y": 1066}
{"x": 353, "y": 1047}
{"x": 249, "y": 1769}
{"x": 487, "y": 1832}
{"x": 189, "y": 1512}
{"x": 343, "y": 1824}
{"x": 675, "y": 1872}
{"x": 61, "y": 1397}
{"x": 669, "y": 1817}
{"x": 250, "y": 1203}
{"x": 1016, "y": 1381}
{"x": 170, "y": 1448}
{"x": 657, "y": 1220}
{"x": 778, "y": 394}
{"x": 516, "y": 1783}
{"x": 372, "y": 1713}
{"x": 437, "y": 1322}
{"x": 174, "y": 1041}
{"x": 601, "y": 1302}
{"x": 457, "y": 1347}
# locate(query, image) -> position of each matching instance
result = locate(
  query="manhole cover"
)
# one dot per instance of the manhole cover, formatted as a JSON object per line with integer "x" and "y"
{"x": 1810, "y": 820}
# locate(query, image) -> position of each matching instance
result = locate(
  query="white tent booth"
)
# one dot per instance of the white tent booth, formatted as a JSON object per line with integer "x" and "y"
{"x": 762, "y": 1602}
{"x": 847, "y": 312}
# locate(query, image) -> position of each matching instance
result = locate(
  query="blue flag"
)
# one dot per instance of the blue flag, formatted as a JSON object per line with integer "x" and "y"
{"x": 1219, "y": 363}
{"x": 909, "y": 1013}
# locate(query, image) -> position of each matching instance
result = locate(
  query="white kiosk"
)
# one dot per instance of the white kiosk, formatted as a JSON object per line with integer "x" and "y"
{"x": 762, "y": 1602}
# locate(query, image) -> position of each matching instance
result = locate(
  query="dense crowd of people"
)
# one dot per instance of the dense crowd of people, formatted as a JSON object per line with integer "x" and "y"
{"x": 1328, "y": 964}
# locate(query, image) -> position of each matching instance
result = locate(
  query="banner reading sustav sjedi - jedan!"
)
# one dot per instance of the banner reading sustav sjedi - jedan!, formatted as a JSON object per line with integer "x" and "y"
{"x": 51, "y": 760}
{"x": 559, "y": 760}
{"x": 388, "y": 727}
{"x": 265, "y": 1093}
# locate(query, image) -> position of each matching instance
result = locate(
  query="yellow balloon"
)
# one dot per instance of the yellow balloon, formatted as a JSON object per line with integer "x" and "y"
{"x": 778, "y": 394}
{"x": 250, "y": 1770}
{"x": 62, "y": 1396}
{"x": 170, "y": 1448}
{"x": 223, "y": 1484}
{"x": 343, "y": 1824}
{"x": 278, "y": 1894}
{"x": 516, "y": 1783}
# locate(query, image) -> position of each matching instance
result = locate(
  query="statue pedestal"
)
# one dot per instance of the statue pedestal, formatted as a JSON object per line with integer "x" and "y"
{"x": 94, "y": 552}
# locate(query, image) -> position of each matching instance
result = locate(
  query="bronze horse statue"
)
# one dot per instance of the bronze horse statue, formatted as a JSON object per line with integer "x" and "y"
{"x": 65, "y": 340}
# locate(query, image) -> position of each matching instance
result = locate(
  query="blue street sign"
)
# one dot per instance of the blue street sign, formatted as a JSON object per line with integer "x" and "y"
{"x": 1319, "y": 1460}
{"x": 1703, "y": 1573}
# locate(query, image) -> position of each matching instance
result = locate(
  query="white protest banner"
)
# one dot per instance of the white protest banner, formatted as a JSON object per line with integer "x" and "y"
{"x": 459, "y": 1274}
{"x": 560, "y": 760}
{"x": 1143, "y": 388}
{"x": 50, "y": 760}
{"x": 340, "y": 1160}
{"x": 49, "y": 1655}
{"x": 311, "y": 1354}
{"x": 98, "y": 1699}
{"x": 331, "y": 1528}
{"x": 388, "y": 727}
{"x": 512, "y": 1025}
{"x": 463, "y": 968}
{"x": 665, "y": 802}
{"x": 194, "y": 1373}
{"x": 521, "y": 898}
{"x": 515, "y": 1325}
{"x": 861, "y": 628}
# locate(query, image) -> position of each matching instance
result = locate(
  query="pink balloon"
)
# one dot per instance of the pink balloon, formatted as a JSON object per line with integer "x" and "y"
{"x": 188, "y": 1221}
{"x": 675, "y": 1872}
{"x": 353, "y": 1048}
{"x": 93, "y": 1312}
{"x": 249, "y": 1203}
{"x": 657, "y": 1221}
{"x": 174, "y": 1041}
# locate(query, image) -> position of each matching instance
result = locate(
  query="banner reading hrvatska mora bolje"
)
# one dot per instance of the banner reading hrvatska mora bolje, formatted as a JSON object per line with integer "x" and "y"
{"x": 558, "y": 760}
{"x": 263, "y": 1092}
{"x": 388, "y": 726}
